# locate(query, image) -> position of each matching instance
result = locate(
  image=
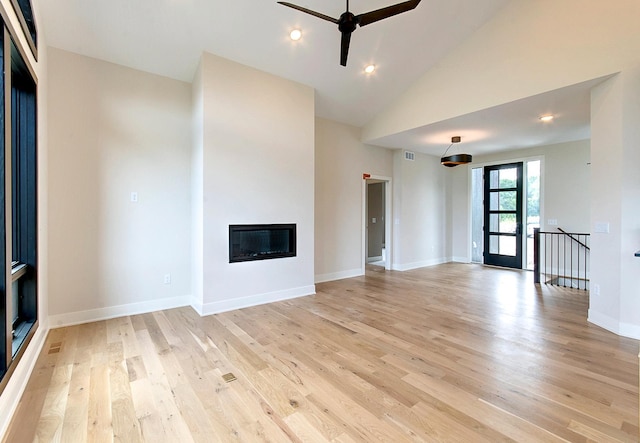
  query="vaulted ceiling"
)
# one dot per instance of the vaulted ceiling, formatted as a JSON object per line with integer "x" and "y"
{"x": 167, "y": 37}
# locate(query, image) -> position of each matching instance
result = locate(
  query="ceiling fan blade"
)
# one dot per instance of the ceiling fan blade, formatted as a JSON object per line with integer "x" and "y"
{"x": 309, "y": 11}
{"x": 344, "y": 48}
{"x": 380, "y": 14}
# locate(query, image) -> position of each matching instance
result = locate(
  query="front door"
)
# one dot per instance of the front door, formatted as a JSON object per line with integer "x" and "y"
{"x": 503, "y": 215}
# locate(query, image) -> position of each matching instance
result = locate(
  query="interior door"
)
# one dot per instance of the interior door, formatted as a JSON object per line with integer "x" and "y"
{"x": 503, "y": 215}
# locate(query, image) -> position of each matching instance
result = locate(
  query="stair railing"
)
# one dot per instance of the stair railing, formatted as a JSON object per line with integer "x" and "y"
{"x": 562, "y": 258}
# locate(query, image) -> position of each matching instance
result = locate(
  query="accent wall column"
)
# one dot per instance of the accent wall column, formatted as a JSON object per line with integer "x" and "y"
{"x": 615, "y": 204}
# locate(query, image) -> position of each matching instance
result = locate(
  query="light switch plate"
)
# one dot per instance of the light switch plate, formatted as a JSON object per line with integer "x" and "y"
{"x": 601, "y": 228}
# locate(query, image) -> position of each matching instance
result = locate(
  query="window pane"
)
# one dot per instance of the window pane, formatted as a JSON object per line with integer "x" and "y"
{"x": 24, "y": 8}
{"x": 23, "y": 198}
{"x": 504, "y": 223}
{"x": 502, "y": 200}
{"x": 477, "y": 216}
{"x": 503, "y": 178}
{"x": 503, "y": 245}
{"x": 533, "y": 206}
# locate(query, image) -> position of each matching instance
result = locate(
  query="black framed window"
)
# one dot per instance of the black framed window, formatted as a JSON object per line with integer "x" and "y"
{"x": 18, "y": 205}
{"x": 23, "y": 200}
{"x": 24, "y": 11}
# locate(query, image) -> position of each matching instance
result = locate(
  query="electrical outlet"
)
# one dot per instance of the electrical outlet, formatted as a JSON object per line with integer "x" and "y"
{"x": 167, "y": 279}
{"x": 596, "y": 289}
{"x": 134, "y": 197}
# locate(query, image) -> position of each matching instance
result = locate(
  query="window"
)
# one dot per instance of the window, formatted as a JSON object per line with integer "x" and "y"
{"x": 24, "y": 11}
{"x": 23, "y": 199}
{"x": 18, "y": 205}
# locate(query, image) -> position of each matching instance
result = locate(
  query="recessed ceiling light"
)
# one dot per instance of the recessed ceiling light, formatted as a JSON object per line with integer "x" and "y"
{"x": 546, "y": 118}
{"x": 295, "y": 35}
{"x": 369, "y": 69}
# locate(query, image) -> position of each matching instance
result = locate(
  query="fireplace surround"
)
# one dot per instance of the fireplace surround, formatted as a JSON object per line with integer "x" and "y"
{"x": 261, "y": 242}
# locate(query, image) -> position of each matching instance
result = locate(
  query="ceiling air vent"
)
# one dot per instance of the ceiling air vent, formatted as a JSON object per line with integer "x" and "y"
{"x": 408, "y": 155}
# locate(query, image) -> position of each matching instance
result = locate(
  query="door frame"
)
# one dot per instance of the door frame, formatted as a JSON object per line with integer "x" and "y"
{"x": 498, "y": 259}
{"x": 481, "y": 165}
{"x": 387, "y": 223}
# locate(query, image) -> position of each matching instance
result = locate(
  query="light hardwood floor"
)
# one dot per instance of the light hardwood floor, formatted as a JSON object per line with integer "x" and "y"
{"x": 460, "y": 353}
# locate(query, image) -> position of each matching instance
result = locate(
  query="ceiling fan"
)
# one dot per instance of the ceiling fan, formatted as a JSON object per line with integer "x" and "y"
{"x": 348, "y": 22}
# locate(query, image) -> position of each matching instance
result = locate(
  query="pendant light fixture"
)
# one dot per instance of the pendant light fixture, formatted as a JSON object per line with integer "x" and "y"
{"x": 456, "y": 159}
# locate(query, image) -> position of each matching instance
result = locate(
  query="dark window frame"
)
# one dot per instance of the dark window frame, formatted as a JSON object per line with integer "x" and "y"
{"x": 18, "y": 117}
{"x": 24, "y": 11}
{"x": 24, "y": 211}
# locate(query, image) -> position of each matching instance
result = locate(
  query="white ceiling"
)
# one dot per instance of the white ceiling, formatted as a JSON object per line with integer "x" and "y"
{"x": 514, "y": 125}
{"x": 167, "y": 37}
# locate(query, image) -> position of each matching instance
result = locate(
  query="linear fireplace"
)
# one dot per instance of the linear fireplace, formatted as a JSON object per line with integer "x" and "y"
{"x": 261, "y": 242}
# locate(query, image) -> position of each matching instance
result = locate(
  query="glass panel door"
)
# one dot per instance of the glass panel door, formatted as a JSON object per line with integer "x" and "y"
{"x": 503, "y": 215}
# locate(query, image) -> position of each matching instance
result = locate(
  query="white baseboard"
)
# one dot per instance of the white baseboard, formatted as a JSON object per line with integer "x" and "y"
{"x": 18, "y": 382}
{"x": 252, "y": 300}
{"x": 321, "y": 278}
{"x": 613, "y": 325}
{"x": 374, "y": 259}
{"x": 421, "y": 264}
{"x": 461, "y": 260}
{"x": 79, "y": 317}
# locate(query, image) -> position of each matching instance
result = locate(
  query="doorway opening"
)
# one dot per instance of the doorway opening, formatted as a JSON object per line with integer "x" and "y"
{"x": 503, "y": 215}
{"x": 376, "y": 240}
{"x": 504, "y": 196}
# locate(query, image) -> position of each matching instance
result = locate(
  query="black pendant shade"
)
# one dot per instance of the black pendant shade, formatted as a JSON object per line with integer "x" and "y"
{"x": 456, "y": 159}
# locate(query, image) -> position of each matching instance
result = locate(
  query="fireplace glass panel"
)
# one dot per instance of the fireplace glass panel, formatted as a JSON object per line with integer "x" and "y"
{"x": 261, "y": 242}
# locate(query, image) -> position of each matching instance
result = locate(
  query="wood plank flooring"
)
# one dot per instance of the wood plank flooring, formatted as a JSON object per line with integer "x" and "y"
{"x": 458, "y": 353}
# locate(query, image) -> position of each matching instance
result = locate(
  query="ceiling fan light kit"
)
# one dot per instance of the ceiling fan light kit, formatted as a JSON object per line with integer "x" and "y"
{"x": 456, "y": 159}
{"x": 348, "y": 22}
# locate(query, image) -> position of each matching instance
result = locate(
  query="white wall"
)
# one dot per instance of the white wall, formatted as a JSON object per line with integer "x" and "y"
{"x": 420, "y": 212}
{"x": 113, "y": 131}
{"x": 528, "y": 48}
{"x": 566, "y": 189}
{"x": 341, "y": 159}
{"x": 197, "y": 191}
{"x": 258, "y": 168}
{"x": 615, "y": 294}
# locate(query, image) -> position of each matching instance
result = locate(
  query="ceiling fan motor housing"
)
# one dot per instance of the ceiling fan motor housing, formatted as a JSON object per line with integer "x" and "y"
{"x": 348, "y": 22}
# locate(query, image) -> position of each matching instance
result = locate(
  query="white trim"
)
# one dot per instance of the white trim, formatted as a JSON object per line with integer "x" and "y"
{"x": 388, "y": 214}
{"x": 339, "y": 275}
{"x": 613, "y": 325}
{"x": 420, "y": 264}
{"x": 19, "y": 378}
{"x": 218, "y": 307}
{"x": 461, "y": 259}
{"x": 374, "y": 259}
{"x": 79, "y": 317}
